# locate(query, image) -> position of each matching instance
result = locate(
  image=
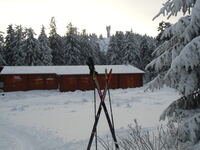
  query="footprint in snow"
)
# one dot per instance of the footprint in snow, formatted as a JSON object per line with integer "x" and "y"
{"x": 72, "y": 111}
{"x": 157, "y": 103}
{"x": 118, "y": 105}
{"x": 22, "y": 108}
{"x": 14, "y": 109}
{"x": 128, "y": 106}
{"x": 84, "y": 100}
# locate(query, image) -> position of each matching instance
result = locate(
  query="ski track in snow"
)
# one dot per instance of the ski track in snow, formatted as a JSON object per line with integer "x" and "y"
{"x": 50, "y": 120}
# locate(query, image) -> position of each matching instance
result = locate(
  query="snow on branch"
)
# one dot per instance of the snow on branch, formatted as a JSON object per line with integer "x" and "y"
{"x": 165, "y": 53}
{"x": 174, "y": 32}
{"x": 183, "y": 72}
{"x": 179, "y": 57}
{"x": 189, "y": 56}
{"x": 193, "y": 29}
{"x": 172, "y": 7}
{"x": 189, "y": 130}
{"x": 184, "y": 103}
{"x": 178, "y": 28}
{"x": 185, "y": 82}
{"x": 160, "y": 63}
{"x": 156, "y": 83}
{"x": 162, "y": 48}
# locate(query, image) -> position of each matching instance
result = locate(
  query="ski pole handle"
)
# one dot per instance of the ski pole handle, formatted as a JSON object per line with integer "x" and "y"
{"x": 110, "y": 73}
{"x": 106, "y": 74}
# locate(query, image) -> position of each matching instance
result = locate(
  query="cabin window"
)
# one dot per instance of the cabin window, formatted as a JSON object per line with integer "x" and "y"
{"x": 38, "y": 81}
{"x": 1, "y": 82}
{"x": 17, "y": 77}
{"x": 14, "y": 80}
{"x": 50, "y": 81}
{"x": 1, "y": 85}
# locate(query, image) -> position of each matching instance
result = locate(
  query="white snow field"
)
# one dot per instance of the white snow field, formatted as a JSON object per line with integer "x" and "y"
{"x": 51, "y": 120}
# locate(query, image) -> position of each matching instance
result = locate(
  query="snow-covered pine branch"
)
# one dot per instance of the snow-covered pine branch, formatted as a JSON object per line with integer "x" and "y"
{"x": 189, "y": 130}
{"x": 191, "y": 50}
{"x": 184, "y": 103}
{"x": 181, "y": 52}
{"x": 172, "y": 7}
{"x": 2, "y": 50}
{"x": 193, "y": 29}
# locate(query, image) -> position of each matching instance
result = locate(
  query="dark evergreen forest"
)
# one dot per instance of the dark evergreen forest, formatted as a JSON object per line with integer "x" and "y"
{"x": 20, "y": 47}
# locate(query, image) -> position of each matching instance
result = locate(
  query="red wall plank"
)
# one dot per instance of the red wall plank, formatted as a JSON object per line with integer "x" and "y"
{"x": 85, "y": 82}
{"x": 67, "y": 82}
{"x": 15, "y": 83}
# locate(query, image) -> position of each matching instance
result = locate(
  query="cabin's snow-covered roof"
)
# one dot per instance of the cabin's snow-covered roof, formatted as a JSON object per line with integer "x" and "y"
{"x": 69, "y": 70}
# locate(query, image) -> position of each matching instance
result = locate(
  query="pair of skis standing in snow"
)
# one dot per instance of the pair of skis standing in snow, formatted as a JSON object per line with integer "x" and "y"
{"x": 102, "y": 96}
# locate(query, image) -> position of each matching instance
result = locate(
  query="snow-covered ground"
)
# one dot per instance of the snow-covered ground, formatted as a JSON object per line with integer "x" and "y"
{"x": 51, "y": 120}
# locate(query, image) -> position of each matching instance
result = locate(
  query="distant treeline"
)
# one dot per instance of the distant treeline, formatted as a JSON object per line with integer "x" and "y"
{"x": 20, "y": 47}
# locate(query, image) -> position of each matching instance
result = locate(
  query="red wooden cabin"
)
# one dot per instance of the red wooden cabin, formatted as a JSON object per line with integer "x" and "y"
{"x": 67, "y": 78}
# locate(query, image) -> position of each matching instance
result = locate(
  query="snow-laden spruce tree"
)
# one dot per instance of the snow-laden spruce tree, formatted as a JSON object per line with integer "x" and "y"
{"x": 46, "y": 51}
{"x": 131, "y": 50}
{"x": 86, "y": 49}
{"x": 9, "y": 44}
{"x": 95, "y": 49}
{"x": 2, "y": 54}
{"x": 72, "y": 46}
{"x": 19, "y": 53}
{"x": 56, "y": 44}
{"x": 115, "y": 48}
{"x": 32, "y": 48}
{"x": 147, "y": 46}
{"x": 178, "y": 63}
{"x": 112, "y": 51}
{"x": 178, "y": 59}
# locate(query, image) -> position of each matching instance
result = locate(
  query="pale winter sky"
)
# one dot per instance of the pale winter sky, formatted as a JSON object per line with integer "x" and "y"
{"x": 92, "y": 15}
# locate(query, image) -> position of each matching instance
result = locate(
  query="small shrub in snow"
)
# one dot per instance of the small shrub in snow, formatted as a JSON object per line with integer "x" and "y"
{"x": 138, "y": 138}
